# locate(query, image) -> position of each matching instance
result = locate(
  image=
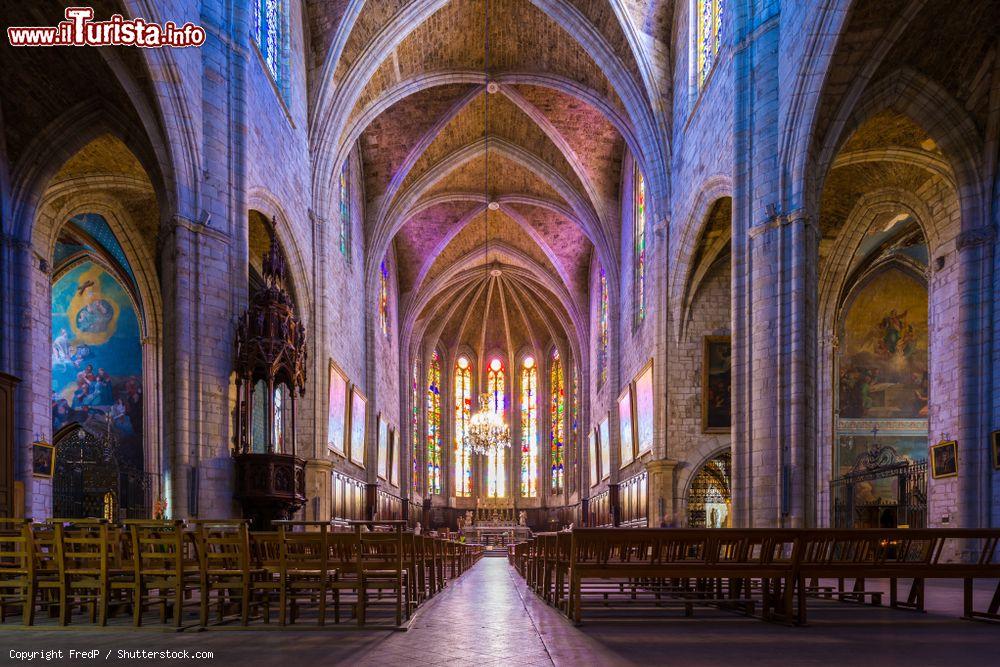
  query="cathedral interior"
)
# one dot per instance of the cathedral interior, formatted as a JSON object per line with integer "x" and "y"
{"x": 486, "y": 275}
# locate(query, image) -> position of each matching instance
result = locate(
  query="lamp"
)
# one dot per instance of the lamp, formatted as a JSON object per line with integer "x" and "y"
{"x": 488, "y": 431}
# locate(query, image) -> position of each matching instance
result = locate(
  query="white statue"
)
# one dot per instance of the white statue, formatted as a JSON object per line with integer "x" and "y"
{"x": 417, "y": 529}
{"x": 468, "y": 518}
{"x": 522, "y": 518}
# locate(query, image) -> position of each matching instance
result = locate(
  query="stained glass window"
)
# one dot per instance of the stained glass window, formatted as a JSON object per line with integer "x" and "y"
{"x": 575, "y": 424}
{"x": 434, "y": 425}
{"x": 602, "y": 325}
{"x": 345, "y": 212}
{"x": 639, "y": 227}
{"x": 277, "y": 424}
{"x": 415, "y": 425}
{"x": 496, "y": 461}
{"x": 709, "y": 23}
{"x": 557, "y": 415}
{"x": 529, "y": 428}
{"x": 463, "y": 415}
{"x": 383, "y": 299}
{"x": 268, "y": 16}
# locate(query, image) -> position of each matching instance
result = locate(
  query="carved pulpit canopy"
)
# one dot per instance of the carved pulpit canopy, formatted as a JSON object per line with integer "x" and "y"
{"x": 270, "y": 365}
{"x": 270, "y": 340}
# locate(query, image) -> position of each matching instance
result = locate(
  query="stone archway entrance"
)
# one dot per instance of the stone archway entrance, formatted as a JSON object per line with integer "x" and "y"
{"x": 709, "y": 501}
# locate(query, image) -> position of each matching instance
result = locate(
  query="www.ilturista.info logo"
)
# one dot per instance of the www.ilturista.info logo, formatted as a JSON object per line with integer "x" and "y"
{"x": 79, "y": 29}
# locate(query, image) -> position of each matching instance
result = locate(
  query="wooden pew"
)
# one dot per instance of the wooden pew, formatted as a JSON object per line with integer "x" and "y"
{"x": 899, "y": 554}
{"x": 657, "y": 568}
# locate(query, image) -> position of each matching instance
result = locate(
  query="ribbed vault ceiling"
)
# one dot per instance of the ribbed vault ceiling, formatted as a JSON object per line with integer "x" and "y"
{"x": 413, "y": 95}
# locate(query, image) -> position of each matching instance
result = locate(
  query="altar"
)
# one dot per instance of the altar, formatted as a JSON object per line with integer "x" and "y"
{"x": 494, "y": 522}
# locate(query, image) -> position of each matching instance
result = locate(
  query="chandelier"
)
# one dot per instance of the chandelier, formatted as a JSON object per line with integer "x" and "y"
{"x": 487, "y": 431}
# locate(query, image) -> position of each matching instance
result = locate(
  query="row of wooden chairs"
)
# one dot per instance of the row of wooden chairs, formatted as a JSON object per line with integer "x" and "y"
{"x": 218, "y": 569}
{"x": 767, "y": 573}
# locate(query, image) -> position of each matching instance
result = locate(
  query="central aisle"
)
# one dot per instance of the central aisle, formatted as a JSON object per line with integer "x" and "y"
{"x": 480, "y": 619}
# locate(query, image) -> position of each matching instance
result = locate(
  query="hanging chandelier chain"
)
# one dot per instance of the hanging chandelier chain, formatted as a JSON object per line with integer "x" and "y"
{"x": 486, "y": 131}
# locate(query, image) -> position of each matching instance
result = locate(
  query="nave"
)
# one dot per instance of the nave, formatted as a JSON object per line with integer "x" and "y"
{"x": 490, "y": 617}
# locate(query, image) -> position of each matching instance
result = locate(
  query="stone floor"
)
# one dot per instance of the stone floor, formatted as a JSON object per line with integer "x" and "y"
{"x": 488, "y": 617}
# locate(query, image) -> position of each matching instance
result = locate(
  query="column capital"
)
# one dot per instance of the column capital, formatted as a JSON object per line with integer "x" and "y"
{"x": 661, "y": 466}
{"x": 970, "y": 238}
{"x": 319, "y": 464}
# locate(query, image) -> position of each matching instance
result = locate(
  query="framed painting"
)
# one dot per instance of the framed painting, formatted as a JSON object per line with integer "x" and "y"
{"x": 605, "y": 441}
{"x": 336, "y": 414}
{"x": 359, "y": 406}
{"x": 995, "y": 449}
{"x": 944, "y": 459}
{"x": 394, "y": 456}
{"x": 645, "y": 409}
{"x": 716, "y": 385}
{"x": 43, "y": 459}
{"x": 383, "y": 447}
{"x": 593, "y": 458}
{"x": 626, "y": 427}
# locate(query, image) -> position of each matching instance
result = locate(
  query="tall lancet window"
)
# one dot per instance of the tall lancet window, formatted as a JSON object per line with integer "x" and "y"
{"x": 708, "y": 23}
{"x": 463, "y": 415}
{"x": 268, "y": 31}
{"x": 557, "y": 417}
{"x": 529, "y": 428}
{"x": 496, "y": 461}
{"x": 575, "y": 425}
{"x": 345, "y": 211}
{"x": 383, "y": 299}
{"x": 415, "y": 425}
{"x": 639, "y": 233}
{"x": 602, "y": 327}
{"x": 434, "y": 425}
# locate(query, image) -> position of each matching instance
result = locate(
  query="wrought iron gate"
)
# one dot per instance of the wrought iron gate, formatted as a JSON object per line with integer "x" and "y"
{"x": 882, "y": 490}
{"x": 90, "y": 480}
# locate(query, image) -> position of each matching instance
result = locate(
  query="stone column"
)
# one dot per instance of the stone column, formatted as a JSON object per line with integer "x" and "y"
{"x": 318, "y": 490}
{"x": 774, "y": 259}
{"x": 661, "y": 491}
{"x": 961, "y": 335}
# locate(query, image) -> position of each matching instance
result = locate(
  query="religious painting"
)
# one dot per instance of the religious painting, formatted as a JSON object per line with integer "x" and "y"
{"x": 883, "y": 349}
{"x": 944, "y": 459}
{"x": 716, "y": 385}
{"x": 605, "y": 440}
{"x": 43, "y": 459}
{"x": 644, "y": 410}
{"x": 626, "y": 426}
{"x": 97, "y": 357}
{"x": 593, "y": 458}
{"x": 995, "y": 449}
{"x": 358, "y": 407}
{"x": 336, "y": 416}
{"x": 383, "y": 447}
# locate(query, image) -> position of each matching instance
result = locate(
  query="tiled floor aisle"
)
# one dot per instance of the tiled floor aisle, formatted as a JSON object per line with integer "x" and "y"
{"x": 481, "y": 619}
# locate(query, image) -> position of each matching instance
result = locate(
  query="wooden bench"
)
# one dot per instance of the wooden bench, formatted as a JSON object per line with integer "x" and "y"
{"x": 650, "y": 569}
{"x": 899, "y": 554}
{"x": 774, "y": 573}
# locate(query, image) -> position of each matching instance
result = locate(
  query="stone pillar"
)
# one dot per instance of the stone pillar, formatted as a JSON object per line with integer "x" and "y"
{"x": 661, "y": 493}
{"x": 21, "y": 277}
{"x": 961, "y": 340}
{"x": 774, "y": 259}
{"x": 197, "y": 365}
{"x": 318, "y": 490}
